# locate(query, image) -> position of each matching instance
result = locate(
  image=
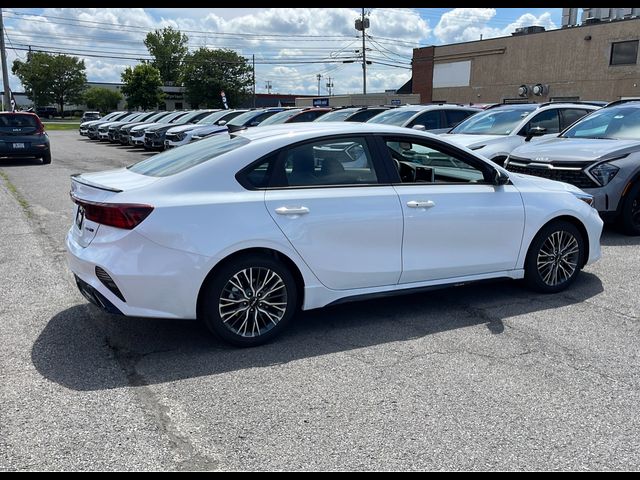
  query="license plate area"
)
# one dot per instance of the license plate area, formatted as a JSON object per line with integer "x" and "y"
{"x": 18, "y": 146}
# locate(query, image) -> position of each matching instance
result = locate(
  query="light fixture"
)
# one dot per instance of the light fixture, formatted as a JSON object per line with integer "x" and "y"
{"x": 523, "y": 90}
{"x": 538, "y": 89}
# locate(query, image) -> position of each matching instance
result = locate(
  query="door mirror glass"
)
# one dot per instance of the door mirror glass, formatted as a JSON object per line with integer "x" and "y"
{"x": 500, "y": 178}
{"x": 535, "y": 132}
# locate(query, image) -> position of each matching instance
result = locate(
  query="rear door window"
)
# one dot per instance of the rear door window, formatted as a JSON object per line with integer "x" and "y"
{"x": 454, "y": 117}
{"x": 570, "y": 115}
{"x": 430, "y": 120}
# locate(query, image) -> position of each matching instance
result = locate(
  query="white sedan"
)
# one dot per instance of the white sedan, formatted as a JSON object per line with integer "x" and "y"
{"x": 242, "y": 230}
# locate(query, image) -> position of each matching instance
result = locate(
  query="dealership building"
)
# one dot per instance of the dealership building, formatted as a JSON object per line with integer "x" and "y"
{"x": 595, "y": 58}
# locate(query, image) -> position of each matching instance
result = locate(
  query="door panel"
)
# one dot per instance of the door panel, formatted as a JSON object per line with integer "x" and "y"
{"x": 457, "y": 230}
{"x": 350, "y": 237}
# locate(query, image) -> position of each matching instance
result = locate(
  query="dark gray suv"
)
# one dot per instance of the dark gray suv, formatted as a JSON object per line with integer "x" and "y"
{"x": 599, "y": 154}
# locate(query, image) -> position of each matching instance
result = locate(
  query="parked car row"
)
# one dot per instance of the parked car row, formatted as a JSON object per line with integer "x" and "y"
{"x": 525, "y": 138}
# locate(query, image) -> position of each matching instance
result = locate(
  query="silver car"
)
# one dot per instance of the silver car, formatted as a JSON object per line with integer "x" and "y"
{"x": 495, "y": 132}
{"x": 599, "y": 154}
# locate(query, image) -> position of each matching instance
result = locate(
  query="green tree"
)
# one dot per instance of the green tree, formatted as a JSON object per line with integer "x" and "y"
{"x": 142, "y": 86}
{"x": 102, "y": 99}
{"x": 207, "y": 72}
{"x": 168, "y": 47}
{"x": 50, "y": 78}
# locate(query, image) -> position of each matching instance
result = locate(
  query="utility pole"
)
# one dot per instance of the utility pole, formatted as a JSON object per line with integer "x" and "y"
{"x": 6, "y": 101}
{"x": 361, "y": 25}
{"x": 254, "y": 79}
{"x": 268, "y": 87}
{"x": 329, "y": 85}
{"x": 318, "y": 76}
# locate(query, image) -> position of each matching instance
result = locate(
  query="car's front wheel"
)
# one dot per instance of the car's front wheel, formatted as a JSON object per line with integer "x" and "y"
{"x": 630, "y": 215}
{"x": 249, "y": 301}
{"x": 555, "y": 257}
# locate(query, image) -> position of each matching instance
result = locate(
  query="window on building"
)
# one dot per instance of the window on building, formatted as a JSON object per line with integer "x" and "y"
{"x": 624, "y": 53}
{"x": 178, "y": 105}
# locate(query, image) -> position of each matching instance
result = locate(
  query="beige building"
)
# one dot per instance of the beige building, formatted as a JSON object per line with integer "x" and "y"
{"x": 594, "y": 61}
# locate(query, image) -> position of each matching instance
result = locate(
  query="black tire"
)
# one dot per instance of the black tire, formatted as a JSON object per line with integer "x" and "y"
{"x": 550, "y": 270}
{"x": 46, "y": 158}
{"x": 629, "y": 219}
{"x": 230, "y": 329}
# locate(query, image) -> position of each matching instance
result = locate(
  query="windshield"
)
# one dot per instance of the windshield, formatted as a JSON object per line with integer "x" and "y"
{"x": 170, "y": 117}
{"x": 133, "y": 116}
{"x": 280, "y": 117}
{"x": 180, "y": 159}
{"x": 618, "y": 123}
{"x": 156, "y": 116}
{"x": 336, "y": 115}
{"x": 213, "y": 117}
{"x": 190, "y": 116}
{"x": 398, "y": 117}
{"x": 240, "y": 120}
{"x": 499, "y": 121}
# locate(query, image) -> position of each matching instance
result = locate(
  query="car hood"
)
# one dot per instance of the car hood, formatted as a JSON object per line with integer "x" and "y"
{"x": 575, "y": 149}
{"x": 90, "y": 122}
{"x": 159, "y": 126}
{"x": 209, "y": 129}
{"x": 182, "y": 128}
{"x": 144, "y": 126}
{"x": 471, "y": 141}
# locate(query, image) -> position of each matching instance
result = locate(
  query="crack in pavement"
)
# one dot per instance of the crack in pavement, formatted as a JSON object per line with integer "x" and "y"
{"x": 192, "y": 460}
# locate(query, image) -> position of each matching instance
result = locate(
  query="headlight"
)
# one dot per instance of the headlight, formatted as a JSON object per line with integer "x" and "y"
{"x": 585, "y": 197}
{"x": 603, "y": 173}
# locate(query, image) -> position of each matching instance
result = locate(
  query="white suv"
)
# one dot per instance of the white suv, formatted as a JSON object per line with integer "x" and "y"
{"x": 496, "y": 131}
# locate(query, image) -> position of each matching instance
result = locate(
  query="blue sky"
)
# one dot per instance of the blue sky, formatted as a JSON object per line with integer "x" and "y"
{"x": 291, "y": 46}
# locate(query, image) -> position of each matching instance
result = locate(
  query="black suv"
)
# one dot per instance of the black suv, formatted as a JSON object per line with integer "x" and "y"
{"x": 47, "y": 112}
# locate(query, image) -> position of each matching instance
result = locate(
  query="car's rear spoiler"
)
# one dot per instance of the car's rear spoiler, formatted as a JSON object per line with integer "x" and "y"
{"x": 77, "y": 177}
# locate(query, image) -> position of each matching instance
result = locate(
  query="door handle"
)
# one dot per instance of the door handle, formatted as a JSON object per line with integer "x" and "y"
{"x": 425, "y": 204}
{"x": 292, "y": 210}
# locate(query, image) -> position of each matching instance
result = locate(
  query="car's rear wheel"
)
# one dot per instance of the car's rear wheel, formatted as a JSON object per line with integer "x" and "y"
{"x": 555, "y": 257}
{"x": 46, "y": 158}
{"x": 249, "y": 301}
{"x": 630, "y": 214}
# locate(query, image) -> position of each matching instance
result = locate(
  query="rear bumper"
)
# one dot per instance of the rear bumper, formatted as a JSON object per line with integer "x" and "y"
{"x": 33, "y": 150}
{"x": 156, "y": 281}
{"x": 95, "y": 297}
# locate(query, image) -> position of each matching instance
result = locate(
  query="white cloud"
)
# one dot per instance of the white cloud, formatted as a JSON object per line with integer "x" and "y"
{"x": 467, "y": 24}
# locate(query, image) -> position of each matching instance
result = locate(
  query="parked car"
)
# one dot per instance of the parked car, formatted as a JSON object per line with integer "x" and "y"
{"x": 22, "y": 135}
{"x": 435, "y": 118}
{"x": 352, "y": 114}
{"x": 103, "y": 128}
{"x": 154, "y": 136}
{"x": 125, "y": 129}
{"x": 92, "y": 127}
{"x": 213, "y": 123}
{"x": 113, "y": 131}
{"x": 136, "y": 134}
{"x": 252, "y": 118}
{"x": 241, "y": 230}
{"x": 46, "y": 112}
{"x": 88, "y": 116}
{"x": 599, "y": 154}
{"x": 496, "y": 131}
{"x": 295, "y": 115}
{"x": 84, "y": 126}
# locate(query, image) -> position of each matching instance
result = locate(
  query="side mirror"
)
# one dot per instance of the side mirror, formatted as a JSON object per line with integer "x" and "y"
{"x": 221, "y": 122}
{"x": 419, "y": 127}
{"x": 500, "y": 178}
{"x": 254, "y": 124}
{"x": 535, "y": 132}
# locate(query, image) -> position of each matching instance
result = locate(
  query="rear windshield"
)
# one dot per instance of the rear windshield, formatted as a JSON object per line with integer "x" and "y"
{"x": 180, "y": 159}
{"x": 18, "y": 121}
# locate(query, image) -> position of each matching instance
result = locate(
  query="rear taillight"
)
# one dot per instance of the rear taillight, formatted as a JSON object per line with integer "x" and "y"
{"x": 120, "y": 215}
{"x": 39, "y": 129}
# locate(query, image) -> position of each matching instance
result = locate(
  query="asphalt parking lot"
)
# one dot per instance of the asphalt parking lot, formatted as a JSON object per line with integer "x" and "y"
{"x": 477, "y": 377}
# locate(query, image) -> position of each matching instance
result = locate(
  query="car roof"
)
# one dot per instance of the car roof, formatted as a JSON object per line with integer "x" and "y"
{"x": 312, "y": 129}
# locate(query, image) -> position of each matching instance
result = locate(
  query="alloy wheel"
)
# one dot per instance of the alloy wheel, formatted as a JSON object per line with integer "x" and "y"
{"x": 558, "y": 258}
{"x": 253, "y": 301}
